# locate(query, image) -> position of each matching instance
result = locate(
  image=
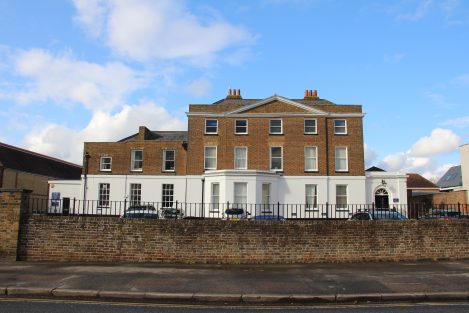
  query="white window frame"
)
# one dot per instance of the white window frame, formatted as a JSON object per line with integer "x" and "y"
{"x": 315, "y": 158}
{"x": 281, "y": 126}
{"x": 281, "y": 158}
{"x": 102, "y": 164}
{"x": 211, "y": 132}
{"x": 241, "y": 133}
{"x": 165, "y": 159}
{"x": 133, "y": 161}
{"x": 167, "y": 195}
{"x": 315, "y": 126}
{"x": 104, "y": 194}
{"x": 341, "y": 195}
{"x": 135, "y": 193}
{"x": 336, "y": 132}
{"x": 311, "y": 201}
{"x": 266, "y": 207}
{"x": 245, "y": 159}
{"x": 336, "y": 158}
{"x": 205, "y": 158}
{"x": 240, "y": 200}
{"x": 215, "y": 197}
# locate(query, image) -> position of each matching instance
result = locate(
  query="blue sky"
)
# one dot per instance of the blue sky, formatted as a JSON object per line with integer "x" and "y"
{"x": 74, "y": 71}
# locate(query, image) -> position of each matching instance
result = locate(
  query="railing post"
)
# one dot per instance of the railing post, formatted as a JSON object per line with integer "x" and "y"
{"x": 278, "y": 210}
{"x": 327, "y": 210}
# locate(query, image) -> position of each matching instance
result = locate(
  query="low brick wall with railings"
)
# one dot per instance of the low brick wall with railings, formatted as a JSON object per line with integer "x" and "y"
{"x": 111, "y": 239}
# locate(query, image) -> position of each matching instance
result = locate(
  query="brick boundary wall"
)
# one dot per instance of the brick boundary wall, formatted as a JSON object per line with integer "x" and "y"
{"x": 12, "y": 202}
{"x": 108, "y": 239}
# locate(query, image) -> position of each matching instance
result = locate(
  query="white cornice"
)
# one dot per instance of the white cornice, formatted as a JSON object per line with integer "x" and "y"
{"x": 296, "y": 114}
{"x": 277, "y": 98}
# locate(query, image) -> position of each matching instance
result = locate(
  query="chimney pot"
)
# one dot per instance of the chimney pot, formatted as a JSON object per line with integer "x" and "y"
{"x": 229, "y": 92}
{"x": 239, "y": 92}
{"x": 306, "y": 93}
{"x": 315, "y": 93}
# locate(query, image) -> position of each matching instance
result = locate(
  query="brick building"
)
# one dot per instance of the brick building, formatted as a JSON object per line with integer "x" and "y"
{"x": 250, "y": 151}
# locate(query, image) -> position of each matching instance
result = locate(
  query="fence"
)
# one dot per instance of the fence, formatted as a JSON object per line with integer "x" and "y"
{"x": 278, "y": 211}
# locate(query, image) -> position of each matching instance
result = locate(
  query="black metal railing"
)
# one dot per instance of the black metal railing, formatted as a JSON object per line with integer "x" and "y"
{"x": 237, "y": 211}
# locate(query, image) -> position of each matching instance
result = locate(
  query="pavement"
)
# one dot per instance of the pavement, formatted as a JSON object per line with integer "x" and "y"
{"x": 239, "y": 284}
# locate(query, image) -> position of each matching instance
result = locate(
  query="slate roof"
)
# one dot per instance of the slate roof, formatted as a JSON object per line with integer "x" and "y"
{"x": 452, "y": 178}
{"x": 161, "y": 136}
{"x": 416, "y": 181}
{"x": 375, "y": 169}
{"x": 31, "y": 162}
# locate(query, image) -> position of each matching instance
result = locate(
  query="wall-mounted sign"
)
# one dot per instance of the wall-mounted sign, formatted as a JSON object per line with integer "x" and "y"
{"x": 395, "y": 200}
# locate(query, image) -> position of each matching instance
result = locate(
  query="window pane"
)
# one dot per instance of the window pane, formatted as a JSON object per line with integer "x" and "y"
{"x": 105, "y": 164}
{"x": 137, "y": 160}
{"x": 210, "y": 158}
{"x": 240, "y": 158}
{"x": 276, "y": 158}
{"x": 135, "y": 194}
{"x": 211, "y": 126}
{"x": 341, "y": 163}
{"x": 168, "y": 159}
{"x": 240, "y": 193}
{"x": 311, "y": 196}
{"x": 104, "y": 191}
{"x": 310, "y": 126}
{"x": 265, "y": 194}
{"x": 215, "y": 196}
{"x": 341, "y": 196}
{"x": 276, "y": 126}
{"x": 340, "y": 127}
{"x": 241, "y": 126}
{"x": 167, "y": 195}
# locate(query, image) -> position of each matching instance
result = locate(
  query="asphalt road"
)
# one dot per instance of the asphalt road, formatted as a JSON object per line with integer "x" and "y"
{"x": 54, "y": 306}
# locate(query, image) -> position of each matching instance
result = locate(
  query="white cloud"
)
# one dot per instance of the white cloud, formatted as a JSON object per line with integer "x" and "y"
{"x": 199, "y": 87}
{"x": 63, "y": 79}
{"x": 145, "y": 29}
{"x": 394, "y": 58}
{"x": 439, "y": 142}
{"x": 65, "y": 143}
{"x": 370, "y": 156}
{"x": 461, "y": 80}
{"x": 421, "y": 157}
{"x": 419, "y": 12}
{"x": 461, "y": 122}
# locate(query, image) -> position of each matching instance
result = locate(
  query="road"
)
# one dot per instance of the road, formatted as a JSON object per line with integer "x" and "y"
{"x": 55, "y": 306}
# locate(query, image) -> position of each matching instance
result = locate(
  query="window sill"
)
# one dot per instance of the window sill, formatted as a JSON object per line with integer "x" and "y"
{"x": 311, "y": 171}
{"x": 310, "y": 133}
{"x": 345, "y": 171}
{"x": 341, "y": 134}
{"x": 168, "y": 171}
{"x": 241, "y": 134}
{"x": 276, "y": 134}
{"x": 136, "y": 171}
{"x": 105, "y": 171}
{"x": 211, "y": 134}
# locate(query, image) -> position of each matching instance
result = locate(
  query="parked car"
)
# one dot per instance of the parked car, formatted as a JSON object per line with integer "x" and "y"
{"x": 269, "y": 217}
{"x": 171, "y": 213}
{"x": 236, "y": 214}
{"x": 443, "y": 214}
{"x": 378, "y": 215}
{"x": 140, "y": 211}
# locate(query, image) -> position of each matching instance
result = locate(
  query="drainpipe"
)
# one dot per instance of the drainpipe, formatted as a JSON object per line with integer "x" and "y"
{"x": 327, "y": 166}
{"x": 85, "y": 179}
{"x": 203, "y": 194}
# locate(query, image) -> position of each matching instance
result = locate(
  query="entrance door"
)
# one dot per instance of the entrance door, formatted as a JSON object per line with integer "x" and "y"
{"x": 381, "y": 199}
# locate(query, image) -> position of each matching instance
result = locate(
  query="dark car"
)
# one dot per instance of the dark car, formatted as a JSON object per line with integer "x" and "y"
{"x": 236, "y": 214}
{"x": 269, "y": 217}
{"x": 443, "y": 214}
{"x": 171, "y": 213}
{"x": 378, "y": 215}
{"x": 140, "y": 211}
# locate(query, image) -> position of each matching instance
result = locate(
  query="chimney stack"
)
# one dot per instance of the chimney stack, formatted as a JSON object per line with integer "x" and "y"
{"x": 234, "y": 94}
{"x": 311, "y": 95}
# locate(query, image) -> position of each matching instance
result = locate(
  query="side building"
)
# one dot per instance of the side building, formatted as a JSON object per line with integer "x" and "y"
{"x": 307, "y": 152}
{"x": 23, "y": 169}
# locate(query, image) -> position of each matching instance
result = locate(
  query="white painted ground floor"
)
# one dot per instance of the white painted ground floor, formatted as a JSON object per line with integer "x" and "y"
{"x": 259, "y": 191}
